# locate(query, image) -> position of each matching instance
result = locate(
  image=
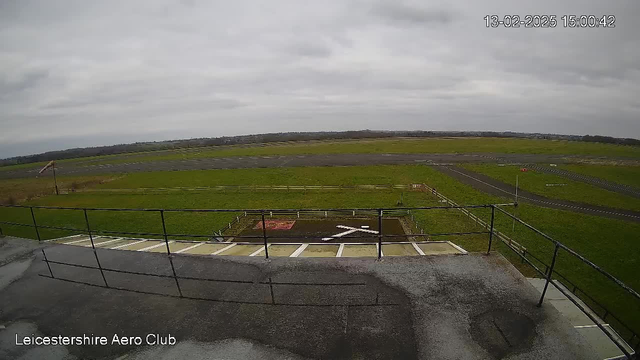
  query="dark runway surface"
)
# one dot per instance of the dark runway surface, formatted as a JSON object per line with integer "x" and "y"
{"x": 428, "y": 307}
{"x": 495, "y": 187}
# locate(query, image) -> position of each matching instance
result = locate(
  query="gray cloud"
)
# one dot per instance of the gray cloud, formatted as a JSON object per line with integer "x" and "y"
{"x": 21, "y": 82}
{"x": 398, "y": 11}
{"x": 77, "y": 73}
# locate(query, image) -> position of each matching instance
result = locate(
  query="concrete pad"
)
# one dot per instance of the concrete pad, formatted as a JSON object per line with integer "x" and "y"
{"x": 142, "y": 245}
{"x": 241, "y": 250}
{"x": 571, "y": 312}
{"x": 206, "y": 249}
{"x": 79, "y": 242}
{"x": 320, "y": 251}
{"x": 418, "y": 307}
{"x": 68, "y": 239}
{"x": 552, "y": 292}
{"x": 437, "y": 249}
{"x": 600, "y": 342}
{"x": 174, "y": 246}
{"x": 360, "y": 251}
{"x": 282, "y": 250}
{"x": 399, "y": 250}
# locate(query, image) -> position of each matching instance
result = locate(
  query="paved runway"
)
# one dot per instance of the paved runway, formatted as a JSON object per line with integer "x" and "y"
{"x": 495, "y": 187}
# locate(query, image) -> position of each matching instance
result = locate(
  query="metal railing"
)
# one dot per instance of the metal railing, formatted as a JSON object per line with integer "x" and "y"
{"x": 378, "y": 213}
{"x": 633, "y": 340}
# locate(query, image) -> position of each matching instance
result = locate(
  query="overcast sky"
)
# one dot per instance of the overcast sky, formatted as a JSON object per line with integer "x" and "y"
{"x": 88, "y": 73}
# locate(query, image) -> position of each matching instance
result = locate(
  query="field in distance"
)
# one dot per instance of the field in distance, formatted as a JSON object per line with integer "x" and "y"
{"x": 370, "y": 146}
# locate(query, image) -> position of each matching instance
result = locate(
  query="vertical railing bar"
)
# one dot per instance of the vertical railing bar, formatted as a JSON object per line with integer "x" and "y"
{"x": 264, "y": 236}
{"x": 47, "y": 261}
{"x": 166, "y": 243}
{"x": 35, "y": 224}
{"x": 93, "y": 246}
{"x": 549, "y": 274}
{"x": 493, "y": 215}
{"x": 379, "y": 234}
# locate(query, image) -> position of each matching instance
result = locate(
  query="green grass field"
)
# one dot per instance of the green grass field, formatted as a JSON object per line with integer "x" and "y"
{"x": 626, "y": 175}
{"x": 535, "y": 182}
{"x": 606, "y": 242}
{"x": 398, "y": 146}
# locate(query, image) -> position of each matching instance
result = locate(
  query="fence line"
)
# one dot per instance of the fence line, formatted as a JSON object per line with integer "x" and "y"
{"x": 255, "y": 187}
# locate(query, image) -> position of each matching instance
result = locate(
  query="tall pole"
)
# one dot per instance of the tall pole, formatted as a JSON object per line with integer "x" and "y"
{"x": 55, "y": 182}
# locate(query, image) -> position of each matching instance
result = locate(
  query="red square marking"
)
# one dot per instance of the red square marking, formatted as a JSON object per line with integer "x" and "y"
{"x": 275, "y": 224}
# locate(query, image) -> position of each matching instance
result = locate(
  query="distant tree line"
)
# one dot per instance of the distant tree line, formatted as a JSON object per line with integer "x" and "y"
{"x": 291, "y": 136}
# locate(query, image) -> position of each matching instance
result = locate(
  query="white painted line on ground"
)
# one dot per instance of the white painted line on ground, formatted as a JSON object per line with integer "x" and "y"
{"x": 339, "y": 235}
{"x": 125, "y": 245}
{"x": 617, "y": 357}
{"x": 105, "y": 242}
{"x": 224, "y": 249}
{"x": 155, "y": 246}
{"x": 259, "y": 250}
{"x": 463, "y": 251}
{"x": 299, "y": 250}
{"x": 65, "y": 237}
{"x": 340, "y": 250}
{"x": 76, "y": 241}
{"x": 588, "y": 326}
{"x": 417, "y": 248}
{"x": 357, "y": 229}
{"x": 188, "y": 248}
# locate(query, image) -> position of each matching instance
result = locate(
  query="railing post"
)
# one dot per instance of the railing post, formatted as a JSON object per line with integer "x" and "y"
{"x": 35, "y": 225}
{"x": 379, "y": 234}
{"x": 493, "y": 215}
{"x": 264, "y": 236}
{"x": 166, "y": 243}
{"x": 549, "y": 273}
{"x": 93, "y": 246}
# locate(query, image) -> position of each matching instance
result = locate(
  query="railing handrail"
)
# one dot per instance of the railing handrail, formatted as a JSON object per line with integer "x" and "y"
{"x": 574, "y": 253}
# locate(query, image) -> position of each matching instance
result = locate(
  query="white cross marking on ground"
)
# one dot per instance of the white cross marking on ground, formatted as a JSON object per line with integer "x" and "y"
{"x": 350, "y": 230}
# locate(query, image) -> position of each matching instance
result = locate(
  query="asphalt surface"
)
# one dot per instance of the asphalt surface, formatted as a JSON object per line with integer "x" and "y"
{"x": 495, "y": 187}
{"x": 427, "y": 307}
{"x": 247, "y": 162}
